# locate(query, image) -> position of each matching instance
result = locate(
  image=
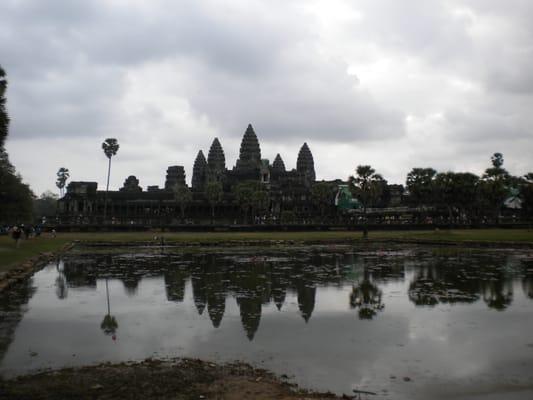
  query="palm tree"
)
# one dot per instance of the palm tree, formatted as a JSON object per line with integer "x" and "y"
{"x": 109, "y": 324}
{"x": 367, "y": 297}
{"x": 4, "y": 118}
{"x": 62, "y": 176}
{"x": 110, "y": 147}
{"x": 494, "y": 185}
{"x": 367, "y": 186}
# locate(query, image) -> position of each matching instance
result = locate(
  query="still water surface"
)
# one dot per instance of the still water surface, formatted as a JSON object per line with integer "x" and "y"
{"x": 400, "y": 321}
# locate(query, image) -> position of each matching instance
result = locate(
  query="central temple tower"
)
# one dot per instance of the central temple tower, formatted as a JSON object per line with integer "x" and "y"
{"x": 216, "y": 161}
{"x": 250, "y": 152}
{"x": 305, "y": 163}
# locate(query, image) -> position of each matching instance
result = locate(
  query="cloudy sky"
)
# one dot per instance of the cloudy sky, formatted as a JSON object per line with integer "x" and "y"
{"x": 395, "y": 84}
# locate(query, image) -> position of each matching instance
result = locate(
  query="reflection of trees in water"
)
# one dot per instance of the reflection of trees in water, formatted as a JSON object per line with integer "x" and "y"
{"x": 497, "y": 294}
{"x": 366, "y": 297}
{"x": 131, "y": 284}
{"x": 446, "y": 277}
{"x": 454, "y": 280}
{"x": 259, "y": 280}
{"x": 443, "y": 282}
{"x": 253, "y": 281}
{"x": 13, "y": 306}
{"x": 496, "y": 283}
{"x": 109, "y": 325}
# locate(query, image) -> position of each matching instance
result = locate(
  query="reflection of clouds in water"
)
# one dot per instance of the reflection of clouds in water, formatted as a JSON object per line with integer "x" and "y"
{"x": 458, "y": 279}
{"x": 439, "y": 277}
{"x": 200, "y": 305}
{"x": 329, "y": 352}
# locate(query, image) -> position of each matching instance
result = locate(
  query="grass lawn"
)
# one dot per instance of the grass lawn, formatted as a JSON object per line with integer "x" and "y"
{"x": 10, "y": 256}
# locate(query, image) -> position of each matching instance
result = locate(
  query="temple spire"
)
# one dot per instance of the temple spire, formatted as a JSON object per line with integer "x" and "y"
{"x": 216, "y": 159}
{"x": 250, "y": 151}
{"x": 278, "y": 165}
{"x": 305, "y": 163}
{"x": 175, "y": 176}
{"x": 199, "y": 172}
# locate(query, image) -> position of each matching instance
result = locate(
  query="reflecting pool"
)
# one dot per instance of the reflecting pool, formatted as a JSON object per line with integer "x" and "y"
{"x": 400, "y": 321}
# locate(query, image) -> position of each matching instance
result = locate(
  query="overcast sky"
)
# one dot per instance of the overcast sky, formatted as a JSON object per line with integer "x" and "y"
{"x": 394, "y": 84}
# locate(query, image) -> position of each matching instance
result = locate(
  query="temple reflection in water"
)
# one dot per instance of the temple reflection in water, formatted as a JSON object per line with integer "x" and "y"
{"x": 255, "y": 281}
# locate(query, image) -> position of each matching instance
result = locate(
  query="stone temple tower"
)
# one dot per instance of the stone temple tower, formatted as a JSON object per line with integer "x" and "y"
{"x": 175, "y": 175}
{"x": 215, "y": 158}
{"x": 278, "y": 168}
{"x": 216, "y": 161}
{"x": 199, "y": 172}
{"x": 278, "y": 165}
{"x": 305, "y": 163}
{"x": 250, "y": 152}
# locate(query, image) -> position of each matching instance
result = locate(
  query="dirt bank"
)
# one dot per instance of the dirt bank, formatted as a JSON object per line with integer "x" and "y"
{"x": 24, "y": 270}
{"x": 155, "y": 379}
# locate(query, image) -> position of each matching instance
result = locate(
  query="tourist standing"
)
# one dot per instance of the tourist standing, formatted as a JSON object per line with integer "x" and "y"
{"x": 16, "y": 234}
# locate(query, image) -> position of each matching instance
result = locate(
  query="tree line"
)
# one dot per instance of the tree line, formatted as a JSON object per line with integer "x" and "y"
{"x": 463, "y": 196}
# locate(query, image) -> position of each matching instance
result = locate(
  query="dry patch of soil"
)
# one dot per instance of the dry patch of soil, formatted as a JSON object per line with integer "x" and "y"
{"x": 155, "y": 379}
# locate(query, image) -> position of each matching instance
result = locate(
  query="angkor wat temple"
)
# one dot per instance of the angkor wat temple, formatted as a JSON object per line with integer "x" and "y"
{"x": 287, "y": 192}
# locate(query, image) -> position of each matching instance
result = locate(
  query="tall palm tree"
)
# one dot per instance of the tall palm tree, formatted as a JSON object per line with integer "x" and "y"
{"x": 367, "y": 186}
{"x": 62, "y": 176}
{"x": 4, "y": 118}
{"x": 495, "y": 185}
{"x": 109, "y": 324}
{"x": 110, "y": 147}
{"x": 367, "y": 297}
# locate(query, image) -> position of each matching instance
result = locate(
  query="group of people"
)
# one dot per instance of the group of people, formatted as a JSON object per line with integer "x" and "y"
{"x": 25, "y": 232}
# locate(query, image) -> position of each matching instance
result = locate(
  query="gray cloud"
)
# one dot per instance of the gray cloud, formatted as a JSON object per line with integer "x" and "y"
{"x": 242, "y": 67}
